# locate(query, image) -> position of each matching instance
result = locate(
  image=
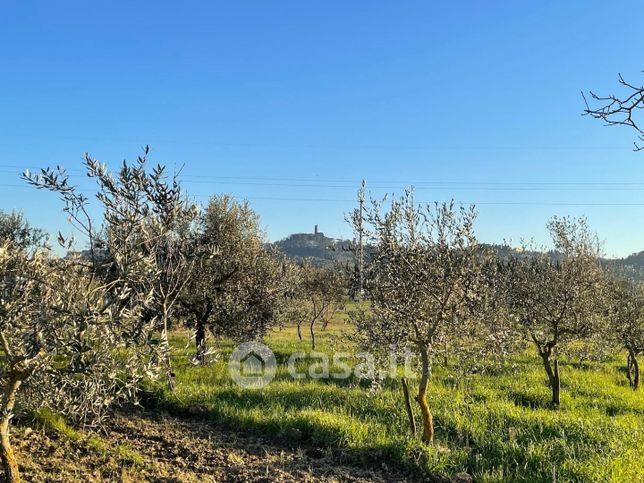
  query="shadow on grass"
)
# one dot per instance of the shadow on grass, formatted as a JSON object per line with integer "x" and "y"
{"x": 476, "y": 450}
{"x": 299, "y": 431}
{"x": 529, "y": 400}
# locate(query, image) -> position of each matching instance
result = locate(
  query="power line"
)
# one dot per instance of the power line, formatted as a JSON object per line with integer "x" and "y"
{"x": 475, "y": 203}
{"x": 588, "y": 186}
{"x": 516, "y": 186}
{"x": 418, "y": 183}
{"x": 356, "y": 182}
{"x": 488, "y": 203}
{"x": 341, "y": 200}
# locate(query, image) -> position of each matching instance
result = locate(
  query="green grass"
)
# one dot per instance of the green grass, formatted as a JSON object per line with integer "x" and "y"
{"x": 54, "y": 422}
{"x": 500, "y": 429}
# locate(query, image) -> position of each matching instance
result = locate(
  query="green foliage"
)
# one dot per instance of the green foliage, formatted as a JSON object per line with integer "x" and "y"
{"x": 15, "y": 229}
{"x": 496, "y": 427}
{"x": 236, "y": 285}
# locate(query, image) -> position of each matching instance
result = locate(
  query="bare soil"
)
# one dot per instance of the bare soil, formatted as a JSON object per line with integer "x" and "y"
{"x": 169, "y": 449}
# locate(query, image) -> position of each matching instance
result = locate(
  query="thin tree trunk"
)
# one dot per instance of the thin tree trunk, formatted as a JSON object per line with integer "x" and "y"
{"x": 312, "y": 334}
{"x": 636, "y": 370}
{"x": 556, "y": 388}
{"x": 316, "y": 314}
{"x": 165, "y": 348}
{"x": 421, "y": 398}
{"x": 446, "y": 355}
{"x": 410, "y": 412}
{"x": 629, "y": 368}
{"x": 299, "y": 331}
{"x": 9, "y": 462}
{"x": 553, "y": 378}
{"x": 200, "y": 340}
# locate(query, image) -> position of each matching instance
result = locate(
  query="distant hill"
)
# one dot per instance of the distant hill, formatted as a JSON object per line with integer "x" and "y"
{"x": 634, "y": 260}
{"x": 323, "y": 250}
{"x": 315, "y": 247}
{"x": 631, "y": 267}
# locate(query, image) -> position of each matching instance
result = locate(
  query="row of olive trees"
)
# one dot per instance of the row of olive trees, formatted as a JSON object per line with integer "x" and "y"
{"x": 80, "y": 333}
{"x": 434, "y": 289}
{"x": 238, "y": 288}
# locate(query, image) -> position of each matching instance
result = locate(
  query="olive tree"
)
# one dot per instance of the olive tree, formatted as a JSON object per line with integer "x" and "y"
{"x": 626, "y": 324}
{"x": 425, "y": 285}
{"x": 237, "y": 285}
{"x": 64, "y": 338}
{"x": 15, "y": 228}
{"x": 554, "y": 296}
{"x": 321, "y": 293}
{"x": 141, "y": 240}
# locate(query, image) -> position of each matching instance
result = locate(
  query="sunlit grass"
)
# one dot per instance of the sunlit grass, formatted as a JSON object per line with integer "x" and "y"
{"x": 54, "y": 422}
{"x": 497, "y": 427}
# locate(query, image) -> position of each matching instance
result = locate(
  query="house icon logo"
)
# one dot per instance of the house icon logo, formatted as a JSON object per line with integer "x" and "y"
{"x": 252, "y": 365}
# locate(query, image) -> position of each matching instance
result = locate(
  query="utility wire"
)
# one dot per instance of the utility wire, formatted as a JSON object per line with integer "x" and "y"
{"x": 480, "y": 186}
{"x": 340, "y": 200}
{"x": 356, "y": 182}
{"x": 516, "y": 186}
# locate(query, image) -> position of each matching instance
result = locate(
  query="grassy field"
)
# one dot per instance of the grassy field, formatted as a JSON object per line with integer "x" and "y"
{"x": 495, "y": 428}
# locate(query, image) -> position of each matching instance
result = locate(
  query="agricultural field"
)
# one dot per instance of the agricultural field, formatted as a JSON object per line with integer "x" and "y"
{"x": 495, "y": 427}
{"x": 182, "y": 347}
{"x": 321, "y": 242}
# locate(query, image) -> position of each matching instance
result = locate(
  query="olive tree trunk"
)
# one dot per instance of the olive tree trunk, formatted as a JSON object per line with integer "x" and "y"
{"x": 201, "y": 315}
{"x": 552, "y": 370}
{"x": 410, "y": 412}
{"x": 633, "y": 370}
{"x": 312, "y": 330}
{"x": 421, "y": 398}
{"x": 636, "y": 373}
{"x": 9, "y": 462}
{"x": 200, "y": 340}
{"x": 316, "y": 314}
{"x": 166, "y": 351}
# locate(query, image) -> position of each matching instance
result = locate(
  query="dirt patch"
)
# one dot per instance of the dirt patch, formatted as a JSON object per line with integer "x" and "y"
{"x": 156, "y": 447}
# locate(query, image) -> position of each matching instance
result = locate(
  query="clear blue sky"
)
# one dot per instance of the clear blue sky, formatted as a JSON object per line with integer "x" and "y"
{"x": 291, "y": 103}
